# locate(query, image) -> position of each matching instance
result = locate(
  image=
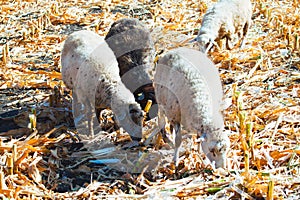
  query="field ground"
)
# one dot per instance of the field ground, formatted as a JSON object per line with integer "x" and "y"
{"x": 261, "y": 83}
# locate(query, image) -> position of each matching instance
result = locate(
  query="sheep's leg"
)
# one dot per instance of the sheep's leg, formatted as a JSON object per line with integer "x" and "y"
{"x": 178, "y": 140}
{"x": 200, "y": 138}
{"x": 229, "y": 44}
{"x": 209, "y": 46}
{"x": 77, "y": 109}
{"x": 159, "y": 128}
{"x": 166, "y": 138}
{"x": 75, "y": 105}
{"x": 161, "y": 125}
{"x": 89, "y": 113}
{"x": 163, "y": 131}
{"x": 245, "y": 31}
{"x": 242, "y": 43}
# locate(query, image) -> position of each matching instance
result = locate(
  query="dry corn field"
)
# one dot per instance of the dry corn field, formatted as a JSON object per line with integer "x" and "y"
{"x": 43, "y": 157}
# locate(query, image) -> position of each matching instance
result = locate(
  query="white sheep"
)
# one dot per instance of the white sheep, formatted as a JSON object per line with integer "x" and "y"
{"x": 90, "y": 69}
{"x": 132, "y": 44}
{"x": 223, "y": 20}
{"x": 189, "y": 93}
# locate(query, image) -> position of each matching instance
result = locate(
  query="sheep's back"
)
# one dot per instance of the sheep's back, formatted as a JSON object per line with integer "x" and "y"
{"x": 77, "y": 48}
{"x": 89, "y": 66}
{"x": 243, "y": 13}
{"x": 226, "y": 17}
{"x": 236, "y": 12}
{"x": 188, "y": 88}
{"x": 132, "y": 44}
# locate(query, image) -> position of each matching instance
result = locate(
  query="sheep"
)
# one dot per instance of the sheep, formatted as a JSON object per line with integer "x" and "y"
{"x": 223, "y": 20}
{"x": 132, "y": 44}
{"x": 189, "y": 93}
{"x": 90, "y": 69}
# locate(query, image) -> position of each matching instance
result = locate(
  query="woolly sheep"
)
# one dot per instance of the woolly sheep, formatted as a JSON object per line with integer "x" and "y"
{"x": 90, "y": 69}
{"x": 223, "y": 20}
{"x": 133, "y": 46}
{"x": 189, "y": 93}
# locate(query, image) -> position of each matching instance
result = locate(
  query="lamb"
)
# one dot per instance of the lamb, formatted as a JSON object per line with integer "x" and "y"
{"x": 223, "y": 20}
{"x": 189, "y": 93}
{"x": 90, "y": 69}
{"x": 132, "y": 44}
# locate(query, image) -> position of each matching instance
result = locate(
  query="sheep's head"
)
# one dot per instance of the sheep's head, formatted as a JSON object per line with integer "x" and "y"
{"x": 205, "y": 42}
{"x": 128, "y": 112}
{"x": 130, "y": 117}
{"x": 133, "y": 122}
{"x": 216, "y": 148}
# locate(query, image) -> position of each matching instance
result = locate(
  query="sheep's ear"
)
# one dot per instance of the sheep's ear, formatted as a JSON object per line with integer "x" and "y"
{"x": 122, "y": 116}
{"x": 135, "y": 114}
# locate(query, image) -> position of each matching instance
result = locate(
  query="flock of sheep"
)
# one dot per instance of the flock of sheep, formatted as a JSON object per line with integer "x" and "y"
{"x": 116, "y": 72}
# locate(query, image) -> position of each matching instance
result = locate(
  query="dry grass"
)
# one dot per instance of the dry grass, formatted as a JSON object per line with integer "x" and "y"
{"x": 262, "y": 107}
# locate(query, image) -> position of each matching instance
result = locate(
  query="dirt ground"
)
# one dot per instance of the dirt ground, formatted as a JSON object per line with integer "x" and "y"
{"x": 42, "y": 156}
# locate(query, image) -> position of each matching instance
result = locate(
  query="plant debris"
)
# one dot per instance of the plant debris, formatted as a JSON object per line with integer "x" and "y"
{"x": 43, "y": 157}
